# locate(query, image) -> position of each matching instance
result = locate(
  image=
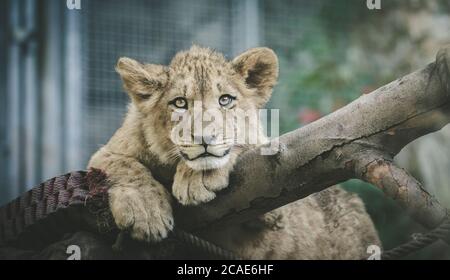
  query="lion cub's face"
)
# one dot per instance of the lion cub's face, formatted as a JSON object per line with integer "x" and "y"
{"x": 191, "y": 110}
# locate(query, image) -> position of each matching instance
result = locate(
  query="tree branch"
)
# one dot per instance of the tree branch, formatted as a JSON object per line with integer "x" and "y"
{"x": 357, "y": 141}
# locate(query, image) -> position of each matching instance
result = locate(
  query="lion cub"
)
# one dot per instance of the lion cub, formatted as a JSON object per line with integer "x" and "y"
{"x": 146, "y": 153}
{"x": 199, "y": 77}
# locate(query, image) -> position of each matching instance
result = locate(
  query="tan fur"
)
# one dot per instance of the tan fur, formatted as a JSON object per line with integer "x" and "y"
{"x": 142, "y": 205}
{"x": 332, "y": 224}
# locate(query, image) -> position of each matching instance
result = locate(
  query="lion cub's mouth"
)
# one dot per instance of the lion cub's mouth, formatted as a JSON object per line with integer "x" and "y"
{"x": 204, "y": 157}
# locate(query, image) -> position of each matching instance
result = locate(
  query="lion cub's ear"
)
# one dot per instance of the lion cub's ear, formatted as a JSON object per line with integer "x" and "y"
{"x": 141, "y": 81}
{"x": 259, "y": 68}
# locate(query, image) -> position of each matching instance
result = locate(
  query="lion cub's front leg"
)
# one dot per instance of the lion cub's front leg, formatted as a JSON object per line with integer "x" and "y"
{"x": 192, "y": 187}
{"x": 138, "y": 202}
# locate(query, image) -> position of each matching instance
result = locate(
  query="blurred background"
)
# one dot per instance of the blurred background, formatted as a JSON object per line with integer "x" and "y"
{"x": 60, "y": 98}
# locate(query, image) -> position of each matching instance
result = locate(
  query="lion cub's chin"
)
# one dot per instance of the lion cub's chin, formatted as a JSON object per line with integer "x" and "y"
{"x": 208, "y": 163}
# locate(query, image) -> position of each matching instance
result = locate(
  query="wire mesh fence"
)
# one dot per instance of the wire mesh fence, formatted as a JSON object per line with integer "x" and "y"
{"x": 153, "y": 31}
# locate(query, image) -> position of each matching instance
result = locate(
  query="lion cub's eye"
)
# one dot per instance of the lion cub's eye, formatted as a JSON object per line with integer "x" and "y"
{"x": 226, "y": 100}
{"x": 179, "y": 102}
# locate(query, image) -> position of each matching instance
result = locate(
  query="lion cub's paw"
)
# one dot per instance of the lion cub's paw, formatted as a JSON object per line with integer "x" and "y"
{"x": 194, "y": 187}
{"x": 148, "y": 216}
{"x": 189, "y": 190}
{"x": 215, "y": 180}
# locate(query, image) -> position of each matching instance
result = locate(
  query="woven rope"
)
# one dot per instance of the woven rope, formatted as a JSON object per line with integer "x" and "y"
{"x": 419, "y": 241}
{"x": 81, "y": 188}
{"x": 32, "y": 207}
{"x": 89, "y": 189}
{"x": 206, "y": 246}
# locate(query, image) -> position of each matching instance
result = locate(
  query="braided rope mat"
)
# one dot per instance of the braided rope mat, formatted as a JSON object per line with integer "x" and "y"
{"x": 73, "y": 202}
{"x": 78, "y": 201}
{"x": 30, "y": 213}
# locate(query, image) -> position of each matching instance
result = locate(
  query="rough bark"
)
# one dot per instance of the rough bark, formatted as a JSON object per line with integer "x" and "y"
{"x": 357, "y": 141}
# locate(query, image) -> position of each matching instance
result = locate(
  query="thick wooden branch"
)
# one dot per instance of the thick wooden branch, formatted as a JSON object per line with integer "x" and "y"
{"x": 399, "y": 185}
{"x": 357, "y": 141}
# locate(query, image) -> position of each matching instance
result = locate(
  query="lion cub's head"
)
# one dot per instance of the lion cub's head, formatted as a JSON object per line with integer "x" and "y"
{"x": 186, "y": 109}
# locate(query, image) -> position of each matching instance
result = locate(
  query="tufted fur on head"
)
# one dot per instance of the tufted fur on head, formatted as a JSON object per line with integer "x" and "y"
{"x": 258, "y": 68}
